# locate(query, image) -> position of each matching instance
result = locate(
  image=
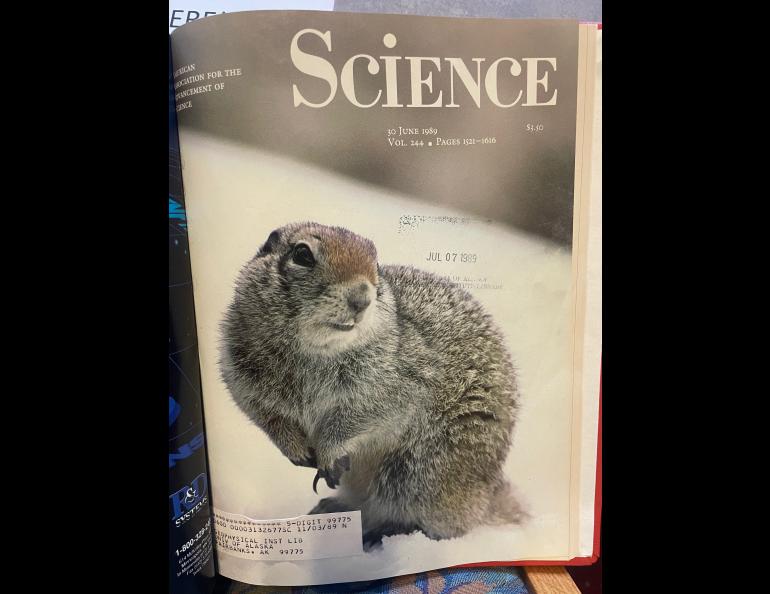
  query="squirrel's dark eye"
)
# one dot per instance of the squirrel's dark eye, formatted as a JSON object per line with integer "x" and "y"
{"x": 303, "y": 256}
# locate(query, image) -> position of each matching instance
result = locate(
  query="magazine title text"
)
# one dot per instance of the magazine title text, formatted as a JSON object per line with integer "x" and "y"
{"x": 534, "y": 89}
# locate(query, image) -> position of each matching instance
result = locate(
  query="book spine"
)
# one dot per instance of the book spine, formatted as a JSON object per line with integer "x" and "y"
{"x": 191, "y": 567}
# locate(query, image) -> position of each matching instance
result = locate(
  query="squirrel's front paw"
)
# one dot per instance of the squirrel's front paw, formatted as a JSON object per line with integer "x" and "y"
{"x": 333, "y": 473}
{"x": 307, "y": 459}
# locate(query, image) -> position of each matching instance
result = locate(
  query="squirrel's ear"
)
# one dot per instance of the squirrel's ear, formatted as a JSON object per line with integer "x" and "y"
{"x": 270, "y": 244}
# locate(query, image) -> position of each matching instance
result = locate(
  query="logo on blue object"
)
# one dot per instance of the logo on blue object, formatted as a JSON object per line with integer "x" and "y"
{"x": 190, "y": 496}
{"x": 186, "y": 502}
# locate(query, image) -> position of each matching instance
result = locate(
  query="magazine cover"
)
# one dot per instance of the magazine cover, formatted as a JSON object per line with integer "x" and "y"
{"x": 381, "y": 215}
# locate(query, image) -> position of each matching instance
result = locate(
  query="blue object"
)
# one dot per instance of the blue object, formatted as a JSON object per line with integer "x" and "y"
{"x": 472, "y": 580}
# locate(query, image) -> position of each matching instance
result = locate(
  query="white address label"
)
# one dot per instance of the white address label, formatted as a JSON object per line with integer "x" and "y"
{"x": 318, "y": 536}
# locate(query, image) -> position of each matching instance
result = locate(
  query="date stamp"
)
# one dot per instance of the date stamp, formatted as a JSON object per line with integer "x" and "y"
{"x": 452, "y": 257}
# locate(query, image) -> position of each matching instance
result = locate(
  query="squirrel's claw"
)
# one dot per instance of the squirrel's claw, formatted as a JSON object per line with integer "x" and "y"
{"x": 308, "y": 460}
{"x": 332, "y": 475}
{"x": 330, "y": 479}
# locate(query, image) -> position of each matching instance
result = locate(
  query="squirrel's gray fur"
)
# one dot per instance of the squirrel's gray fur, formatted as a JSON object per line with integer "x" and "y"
{"x": 392, "y": 381}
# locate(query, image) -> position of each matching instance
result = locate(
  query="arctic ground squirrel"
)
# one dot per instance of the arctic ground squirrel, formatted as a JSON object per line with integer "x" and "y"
{"x": 392, "y": 382}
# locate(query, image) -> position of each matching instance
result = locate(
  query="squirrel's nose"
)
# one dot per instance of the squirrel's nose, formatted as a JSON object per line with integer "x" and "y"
{"x": 358, "y": 300}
